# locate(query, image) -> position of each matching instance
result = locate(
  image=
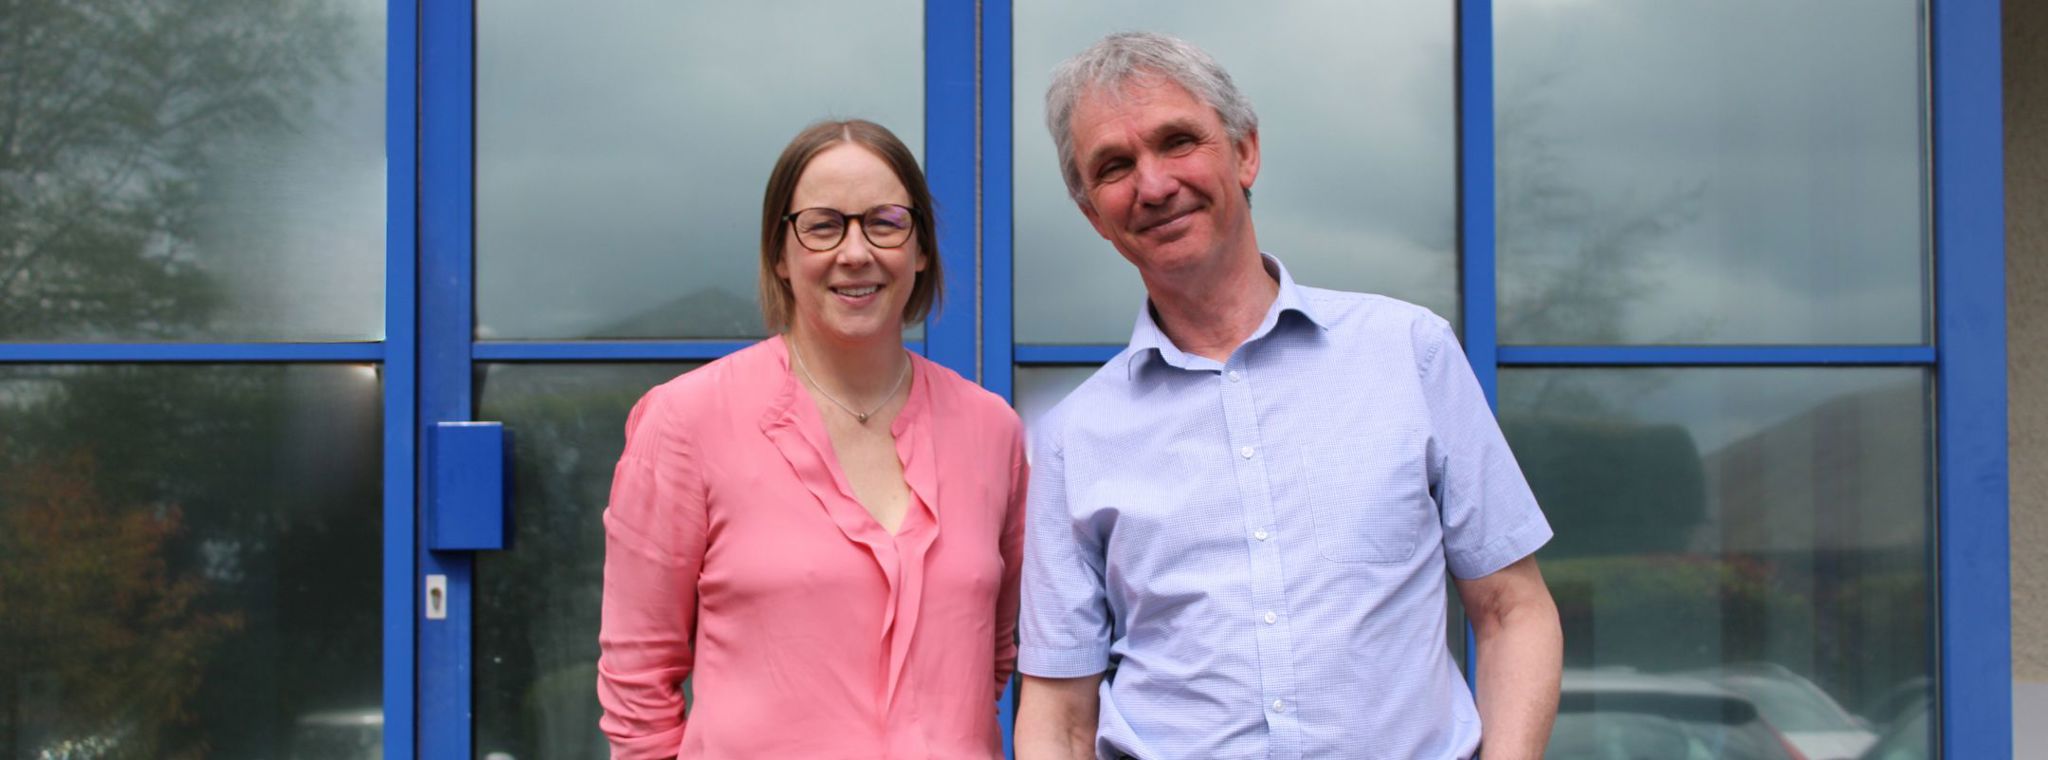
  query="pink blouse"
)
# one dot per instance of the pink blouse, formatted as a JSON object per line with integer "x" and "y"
{"x": 736, "y": 555}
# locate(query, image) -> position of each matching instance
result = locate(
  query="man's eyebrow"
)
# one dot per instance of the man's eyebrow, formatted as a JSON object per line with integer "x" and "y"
{"x": 1174, "y": 126}
{"x": 1101, "y": 150}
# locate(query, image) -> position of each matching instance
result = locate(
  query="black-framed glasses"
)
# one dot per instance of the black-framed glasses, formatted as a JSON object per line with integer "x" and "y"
{"x": 821, "y": 229}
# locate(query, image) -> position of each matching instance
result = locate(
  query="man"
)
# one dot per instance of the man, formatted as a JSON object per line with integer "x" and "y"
{"x": 1239, "y": 526}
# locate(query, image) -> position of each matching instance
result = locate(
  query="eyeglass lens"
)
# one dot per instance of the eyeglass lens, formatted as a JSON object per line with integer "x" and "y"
{"x": 885, "y": 226}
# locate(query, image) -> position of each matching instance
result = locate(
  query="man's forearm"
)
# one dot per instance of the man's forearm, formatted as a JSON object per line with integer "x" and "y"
{"x": 1056, "y": 718}
{"x": 1519, "y": 669}
{"x": 1520, "y": 652}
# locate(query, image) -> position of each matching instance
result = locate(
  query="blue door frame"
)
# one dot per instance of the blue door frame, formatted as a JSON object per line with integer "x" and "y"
{"x": 428, "y": 354}
{"x": 445, "y": 40}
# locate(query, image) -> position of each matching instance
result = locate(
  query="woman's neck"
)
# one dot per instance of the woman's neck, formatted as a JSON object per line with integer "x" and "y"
{"x": 857, "y": 373}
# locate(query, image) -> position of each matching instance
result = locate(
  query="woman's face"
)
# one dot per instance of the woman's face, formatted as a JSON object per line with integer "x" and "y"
{"x": 854, "y": 292}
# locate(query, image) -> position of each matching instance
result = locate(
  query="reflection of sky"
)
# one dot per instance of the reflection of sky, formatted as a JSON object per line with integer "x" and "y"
{"x": 1357, "y": 136}
{"x": 1793, "y": 169}
{"x": 622, "y": 148}
{"x": 292, "y": 229}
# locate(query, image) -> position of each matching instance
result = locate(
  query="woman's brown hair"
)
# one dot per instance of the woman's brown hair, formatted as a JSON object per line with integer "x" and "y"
{"x": 776, "y": 299}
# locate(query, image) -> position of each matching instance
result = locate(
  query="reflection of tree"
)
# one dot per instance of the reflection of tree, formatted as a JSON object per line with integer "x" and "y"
{"x": 112, "y": 112}
{"x": 275, "y": 509}
{"x": 1575, "y": 256}
{"x": 111, "y": 635}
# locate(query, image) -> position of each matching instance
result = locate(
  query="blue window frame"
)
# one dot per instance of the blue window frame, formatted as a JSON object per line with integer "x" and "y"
{"x": 1967, "y": 357}
{"x": 429, "y": 350}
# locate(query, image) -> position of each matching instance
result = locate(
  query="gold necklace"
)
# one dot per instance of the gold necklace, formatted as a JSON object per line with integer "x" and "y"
{"x": 858, "y": 415}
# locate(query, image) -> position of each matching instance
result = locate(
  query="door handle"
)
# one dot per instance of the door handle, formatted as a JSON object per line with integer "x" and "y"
{"x": 469, "y": 491}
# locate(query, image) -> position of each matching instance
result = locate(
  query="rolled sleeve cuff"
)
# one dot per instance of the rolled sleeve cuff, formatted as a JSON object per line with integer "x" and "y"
{"x": 1502, "y": 551}
{"x": 658, "y": 746}
{"x": 1045, "y": 662}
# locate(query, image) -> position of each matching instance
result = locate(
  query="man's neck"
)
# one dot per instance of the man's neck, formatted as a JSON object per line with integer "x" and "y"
{"x": 1210, "y": 315}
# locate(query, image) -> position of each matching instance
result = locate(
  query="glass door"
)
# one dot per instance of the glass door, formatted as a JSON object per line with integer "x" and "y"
{"x": 612, "y": 161}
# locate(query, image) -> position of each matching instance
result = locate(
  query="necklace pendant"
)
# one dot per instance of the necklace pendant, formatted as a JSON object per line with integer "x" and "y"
{"x": 862, "y": 418}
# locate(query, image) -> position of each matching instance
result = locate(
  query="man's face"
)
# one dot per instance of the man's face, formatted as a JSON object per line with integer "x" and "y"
{"x": 1164, "y": 182}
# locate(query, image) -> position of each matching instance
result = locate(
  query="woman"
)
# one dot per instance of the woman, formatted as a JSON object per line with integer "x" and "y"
{"x": 823, "y": 530}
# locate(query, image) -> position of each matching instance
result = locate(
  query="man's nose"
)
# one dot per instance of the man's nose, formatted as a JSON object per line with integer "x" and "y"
{"x": 1155, "y": 183}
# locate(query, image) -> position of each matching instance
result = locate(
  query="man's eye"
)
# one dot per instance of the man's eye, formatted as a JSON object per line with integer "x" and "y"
{"x": 1111, "y": 171}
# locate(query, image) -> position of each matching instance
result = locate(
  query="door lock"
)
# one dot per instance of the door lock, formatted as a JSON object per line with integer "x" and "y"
{"x": 437, "y": 597}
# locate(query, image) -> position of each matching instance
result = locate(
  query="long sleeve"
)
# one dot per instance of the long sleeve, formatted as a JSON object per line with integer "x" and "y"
{"x": 655, "y": 531}
{"x": 1012, "y": 548}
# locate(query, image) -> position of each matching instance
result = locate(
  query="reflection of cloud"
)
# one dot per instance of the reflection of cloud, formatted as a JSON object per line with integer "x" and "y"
{"x": 622, "y": 149}
{"x": 1808, "y": 224}
{"x": 1358, "y": 138}
{"x": 294, "y": 232}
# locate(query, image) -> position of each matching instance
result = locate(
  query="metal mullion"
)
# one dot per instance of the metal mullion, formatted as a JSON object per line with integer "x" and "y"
{"x": 210, "y": 353}
{"x": 1972, "y": 549}
{"x": 1476, "y": 227}
{"x": 949, "y": 91}
{"x": 446, "y": 304}
{"x": 401, "y": 324}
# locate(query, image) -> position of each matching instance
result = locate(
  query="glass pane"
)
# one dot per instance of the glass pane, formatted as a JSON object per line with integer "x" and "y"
{"x": 190, "y": 561}
{"x": 1358, "y": 140}
{"x": 1707, "y": 173}
{"x": 192, "y": 171}
{"x": 623, "y": 149}
{"x": 537, "y": 604}
{"x": 1734, "y": 543}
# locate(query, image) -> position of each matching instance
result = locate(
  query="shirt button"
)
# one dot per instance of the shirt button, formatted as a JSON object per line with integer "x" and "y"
{"x": 1261, "y": 534}
{"x": 1245, "y": 452}
{"x": 1272, "y": 618}
{"x": 1234, "y": 377}
{"x": 1279, "y": 706}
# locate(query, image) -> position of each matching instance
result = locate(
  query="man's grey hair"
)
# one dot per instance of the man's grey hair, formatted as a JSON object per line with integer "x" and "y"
{"x": 1125, "y": 56}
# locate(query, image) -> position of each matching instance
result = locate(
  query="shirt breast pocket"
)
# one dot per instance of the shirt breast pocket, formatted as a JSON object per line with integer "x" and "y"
{"x": 1368, "y": 506}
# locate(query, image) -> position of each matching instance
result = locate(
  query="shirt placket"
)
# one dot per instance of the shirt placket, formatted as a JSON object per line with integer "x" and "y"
{"x": 1262, "y": 538}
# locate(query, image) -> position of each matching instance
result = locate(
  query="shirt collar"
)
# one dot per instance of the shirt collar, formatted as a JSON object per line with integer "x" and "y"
{"x": 1148, "y": 340}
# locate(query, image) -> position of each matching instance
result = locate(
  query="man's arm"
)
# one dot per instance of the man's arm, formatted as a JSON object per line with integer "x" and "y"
{"x": 1056, "y": 718}
{"x": 1521, "y": 659}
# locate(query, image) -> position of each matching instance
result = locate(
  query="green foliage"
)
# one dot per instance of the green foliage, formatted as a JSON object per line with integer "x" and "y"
{"x": 116, "y": 639}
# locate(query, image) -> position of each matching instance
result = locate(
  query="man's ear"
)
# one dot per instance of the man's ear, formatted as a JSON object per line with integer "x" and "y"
{"x": 1094, "y": 219}
{"x": 1248, "y": 159}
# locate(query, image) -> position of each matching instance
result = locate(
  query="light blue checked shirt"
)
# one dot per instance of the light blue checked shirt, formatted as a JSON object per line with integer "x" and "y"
{"x": 1256, "y": 549}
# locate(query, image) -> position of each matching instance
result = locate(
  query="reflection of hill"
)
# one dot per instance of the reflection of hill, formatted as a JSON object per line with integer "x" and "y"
{"x": 703, "y": 313}
{"x": 1849, "y": 473}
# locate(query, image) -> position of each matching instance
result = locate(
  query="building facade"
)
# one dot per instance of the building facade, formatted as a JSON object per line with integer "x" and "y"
{"x": 1737, "y": 275}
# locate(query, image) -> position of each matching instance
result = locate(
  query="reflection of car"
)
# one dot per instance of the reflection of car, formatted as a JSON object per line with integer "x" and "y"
{"x": 1621, "y": 715}
{"x": 354, "y": 734}
{"x": 1813, "y": 721}
{"x": 1908, "y": 739}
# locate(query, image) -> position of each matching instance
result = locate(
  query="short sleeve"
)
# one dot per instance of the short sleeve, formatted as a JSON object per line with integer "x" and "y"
{"x": 1490, "y": 517}
{"x": 1064, "y": 621}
